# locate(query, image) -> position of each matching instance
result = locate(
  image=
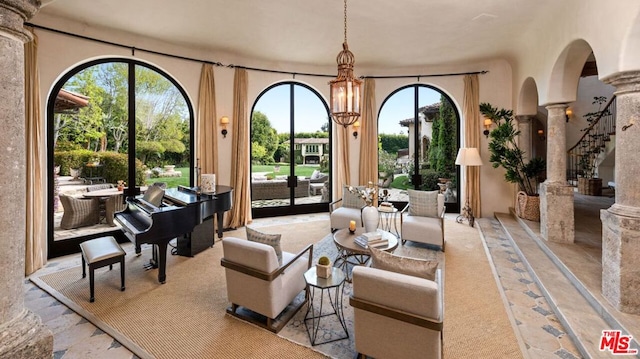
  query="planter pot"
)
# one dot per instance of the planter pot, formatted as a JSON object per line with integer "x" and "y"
{"x": 370, "y": 218}
{"x": 528, "y": 207}
{"x": 75, "y": 172}
{"x": 323, "y": 271}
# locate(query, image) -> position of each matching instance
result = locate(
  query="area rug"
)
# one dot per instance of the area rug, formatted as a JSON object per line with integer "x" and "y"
{"x": 185, "y": 318}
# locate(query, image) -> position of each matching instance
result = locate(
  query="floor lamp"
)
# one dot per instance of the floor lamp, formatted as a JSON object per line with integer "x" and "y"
{"x": 467, "y": 156}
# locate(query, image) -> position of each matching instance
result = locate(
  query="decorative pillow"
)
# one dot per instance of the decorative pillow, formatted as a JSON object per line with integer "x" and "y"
{"x": 352, "y": 200}
{"x": 410, "y": 266}
{"x": 270, "y": 239}
{"x": 315, "y": 174}
{"x": 423, "y": 203}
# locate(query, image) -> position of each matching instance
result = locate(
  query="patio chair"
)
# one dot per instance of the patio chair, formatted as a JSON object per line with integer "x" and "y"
{"x": 79, "y": 212}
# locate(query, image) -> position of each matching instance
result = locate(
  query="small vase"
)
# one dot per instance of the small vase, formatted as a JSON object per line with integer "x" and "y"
{"x": 370, "y": 218}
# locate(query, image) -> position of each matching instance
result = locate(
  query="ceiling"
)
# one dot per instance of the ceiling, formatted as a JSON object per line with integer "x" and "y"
{"x": 381, "y": 33}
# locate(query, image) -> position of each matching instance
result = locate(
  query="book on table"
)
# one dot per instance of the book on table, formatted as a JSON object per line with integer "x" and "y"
{"x": 371, "y": 239}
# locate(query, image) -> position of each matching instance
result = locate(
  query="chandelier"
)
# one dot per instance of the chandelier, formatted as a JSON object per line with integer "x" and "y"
{"x": 345, "y": 88}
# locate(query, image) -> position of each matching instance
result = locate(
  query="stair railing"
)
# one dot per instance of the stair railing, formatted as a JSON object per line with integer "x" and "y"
{"x": 582, "y": 156}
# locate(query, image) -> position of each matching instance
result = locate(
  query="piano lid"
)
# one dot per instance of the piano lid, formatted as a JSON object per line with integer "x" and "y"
{"x": 189, "y": 195}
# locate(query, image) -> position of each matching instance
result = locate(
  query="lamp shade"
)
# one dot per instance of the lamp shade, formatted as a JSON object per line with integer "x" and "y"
{"x": 468, "y": 156}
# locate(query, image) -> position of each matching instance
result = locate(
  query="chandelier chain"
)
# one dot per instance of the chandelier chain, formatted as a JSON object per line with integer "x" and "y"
{"x": 345, "y": 21}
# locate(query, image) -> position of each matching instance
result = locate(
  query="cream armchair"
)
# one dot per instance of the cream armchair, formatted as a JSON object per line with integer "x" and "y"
{"x": 257, "y": 283}
{"x": 402, "y": 321}
{"x": 346, "y": 209}
{"x": 424, "y": 222}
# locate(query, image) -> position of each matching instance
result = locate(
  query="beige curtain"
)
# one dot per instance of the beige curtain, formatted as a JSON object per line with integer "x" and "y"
{"x": 471, "y": 114}
{"x": 368, "y": 134}
{"x": 207, "y": 122}
{"x": 240, "y": 213}
{"x": 36, "y": 237}
{"x": 342, "y": 176}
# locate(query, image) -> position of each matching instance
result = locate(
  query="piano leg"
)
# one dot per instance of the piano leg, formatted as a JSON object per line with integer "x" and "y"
{"x": 138, "y": 250}
{"x": 220, "y": 218}
{"x": 162, "y": 261}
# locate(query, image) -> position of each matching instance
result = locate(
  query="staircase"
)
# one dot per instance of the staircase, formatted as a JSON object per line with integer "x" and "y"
{"x": 596, "y": 144}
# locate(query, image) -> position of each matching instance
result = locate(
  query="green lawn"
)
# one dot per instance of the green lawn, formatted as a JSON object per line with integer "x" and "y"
{"x": 184, "y": 179}
{"x": 401, "y": 182}
{"x": 173, "y": 181}
{"x": 305, "y": 170}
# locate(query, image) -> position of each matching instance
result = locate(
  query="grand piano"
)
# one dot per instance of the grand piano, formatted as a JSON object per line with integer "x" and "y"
{"x": 183, "y": 213}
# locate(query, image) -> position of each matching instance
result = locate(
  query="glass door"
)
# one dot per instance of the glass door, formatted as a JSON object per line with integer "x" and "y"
{"x": 290, "y": 157}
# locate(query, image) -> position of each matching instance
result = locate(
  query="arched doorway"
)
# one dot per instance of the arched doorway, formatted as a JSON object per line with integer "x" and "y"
{"x": 290, "y": 151}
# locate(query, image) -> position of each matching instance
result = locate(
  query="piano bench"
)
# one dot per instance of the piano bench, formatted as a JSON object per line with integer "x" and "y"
{"x": 100, "y": 252}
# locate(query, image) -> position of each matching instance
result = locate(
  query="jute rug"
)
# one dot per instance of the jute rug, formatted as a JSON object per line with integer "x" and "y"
{"x": 185, "y": 318}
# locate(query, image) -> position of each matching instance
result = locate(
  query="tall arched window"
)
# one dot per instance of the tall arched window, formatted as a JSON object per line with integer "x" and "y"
{"x": 290, "y": 151}
{"x": 111, "y": 121}
{"x": 419, "y": 139}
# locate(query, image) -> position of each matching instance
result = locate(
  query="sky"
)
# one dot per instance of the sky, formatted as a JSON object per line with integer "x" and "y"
{"x": 310, "y": 112}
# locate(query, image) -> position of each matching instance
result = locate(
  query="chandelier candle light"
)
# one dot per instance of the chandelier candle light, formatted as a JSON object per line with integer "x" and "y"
{"x": 345, "y": 89}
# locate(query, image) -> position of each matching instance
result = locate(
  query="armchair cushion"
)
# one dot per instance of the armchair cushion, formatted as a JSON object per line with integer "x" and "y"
{"x": 423, "y": 203}
{"x": 272, "y": 240}
{"x": 410, "y": 266}
{"x": 352, "y": 200}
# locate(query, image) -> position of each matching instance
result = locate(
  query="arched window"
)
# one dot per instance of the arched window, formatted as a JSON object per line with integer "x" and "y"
{"x": 419, "y": 139}
{"x": 113, "y": 120}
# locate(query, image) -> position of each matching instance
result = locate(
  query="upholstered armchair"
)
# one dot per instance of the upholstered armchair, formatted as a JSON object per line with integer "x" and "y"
{"x": 346, "y": 209}
{"x": 422, "y": 220}
{"x": 79, "y": 212}
{"x": 258, "y": 284}
{"x": 402, "y": 321}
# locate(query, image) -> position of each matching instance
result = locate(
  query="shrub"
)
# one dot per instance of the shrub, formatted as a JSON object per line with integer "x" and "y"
{"x": 114, "y": 165}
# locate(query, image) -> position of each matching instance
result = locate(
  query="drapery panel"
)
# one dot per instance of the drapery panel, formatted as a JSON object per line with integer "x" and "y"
{"x": 240, "y": 213}
{"x": 342, "y": 176}
{"x": 207, "y": 123}
{"x": 471, "y": 114}
{"x": 368, "y": 170}
{"x": 35, "y": 235}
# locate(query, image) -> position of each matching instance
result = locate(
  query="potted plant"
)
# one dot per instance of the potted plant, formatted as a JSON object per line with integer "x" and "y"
{"x": 505, "y": 153}
{"x": 323, "y": 268}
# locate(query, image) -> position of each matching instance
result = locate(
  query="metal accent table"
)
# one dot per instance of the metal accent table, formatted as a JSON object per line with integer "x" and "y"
{"x": 388, "y": 219}
{"x": 335, "y": 282}
{"x": 350, "y": 253}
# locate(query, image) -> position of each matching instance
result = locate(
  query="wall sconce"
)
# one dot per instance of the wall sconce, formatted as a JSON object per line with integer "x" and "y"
{"x": 568, "y": 113}
{"x": 541, "y": 135}
{"x": 224, "y": 121}
{"x": 356, "y": 126}
{"x": 487, "y": 125}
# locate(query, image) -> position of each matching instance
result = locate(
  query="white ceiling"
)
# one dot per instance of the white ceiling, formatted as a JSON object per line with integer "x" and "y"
{"x": 381, "y": 33}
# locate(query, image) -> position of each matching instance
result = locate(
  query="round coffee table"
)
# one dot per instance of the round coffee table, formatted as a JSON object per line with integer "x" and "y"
{"x": 350, "y": 253}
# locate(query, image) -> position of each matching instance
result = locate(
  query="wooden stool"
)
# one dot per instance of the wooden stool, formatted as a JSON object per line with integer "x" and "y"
{"x": 98, "y": 253}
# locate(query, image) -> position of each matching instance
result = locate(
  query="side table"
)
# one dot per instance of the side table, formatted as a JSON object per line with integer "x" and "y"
{"x": 388, "y": 220}
{"x": 335, "y": 284}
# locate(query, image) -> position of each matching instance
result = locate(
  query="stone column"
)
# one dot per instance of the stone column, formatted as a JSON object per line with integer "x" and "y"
{"x": 524, "y": 139}
{"x": 621, "y": 222}
{"x": 556, "y": 197}
{"x": 21, "y": 333}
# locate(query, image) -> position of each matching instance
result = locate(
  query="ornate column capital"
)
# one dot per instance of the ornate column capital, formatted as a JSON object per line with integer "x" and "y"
{"x": 524, "y": 119}
{"x": 13, "y": 14}
{"x": 625, "y": 82}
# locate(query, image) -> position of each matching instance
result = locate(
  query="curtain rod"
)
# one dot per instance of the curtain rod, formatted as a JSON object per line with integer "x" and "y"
{"x": 134, "y": 49}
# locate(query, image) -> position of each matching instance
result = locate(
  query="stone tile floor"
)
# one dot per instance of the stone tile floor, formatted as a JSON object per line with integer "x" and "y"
{"x": 541, "y": 335}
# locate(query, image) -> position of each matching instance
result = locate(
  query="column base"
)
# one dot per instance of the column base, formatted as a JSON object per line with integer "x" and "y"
{"x": 25, "y": 338}
{"x": 620, "y": 268}
{"x": 556, "y": 212}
